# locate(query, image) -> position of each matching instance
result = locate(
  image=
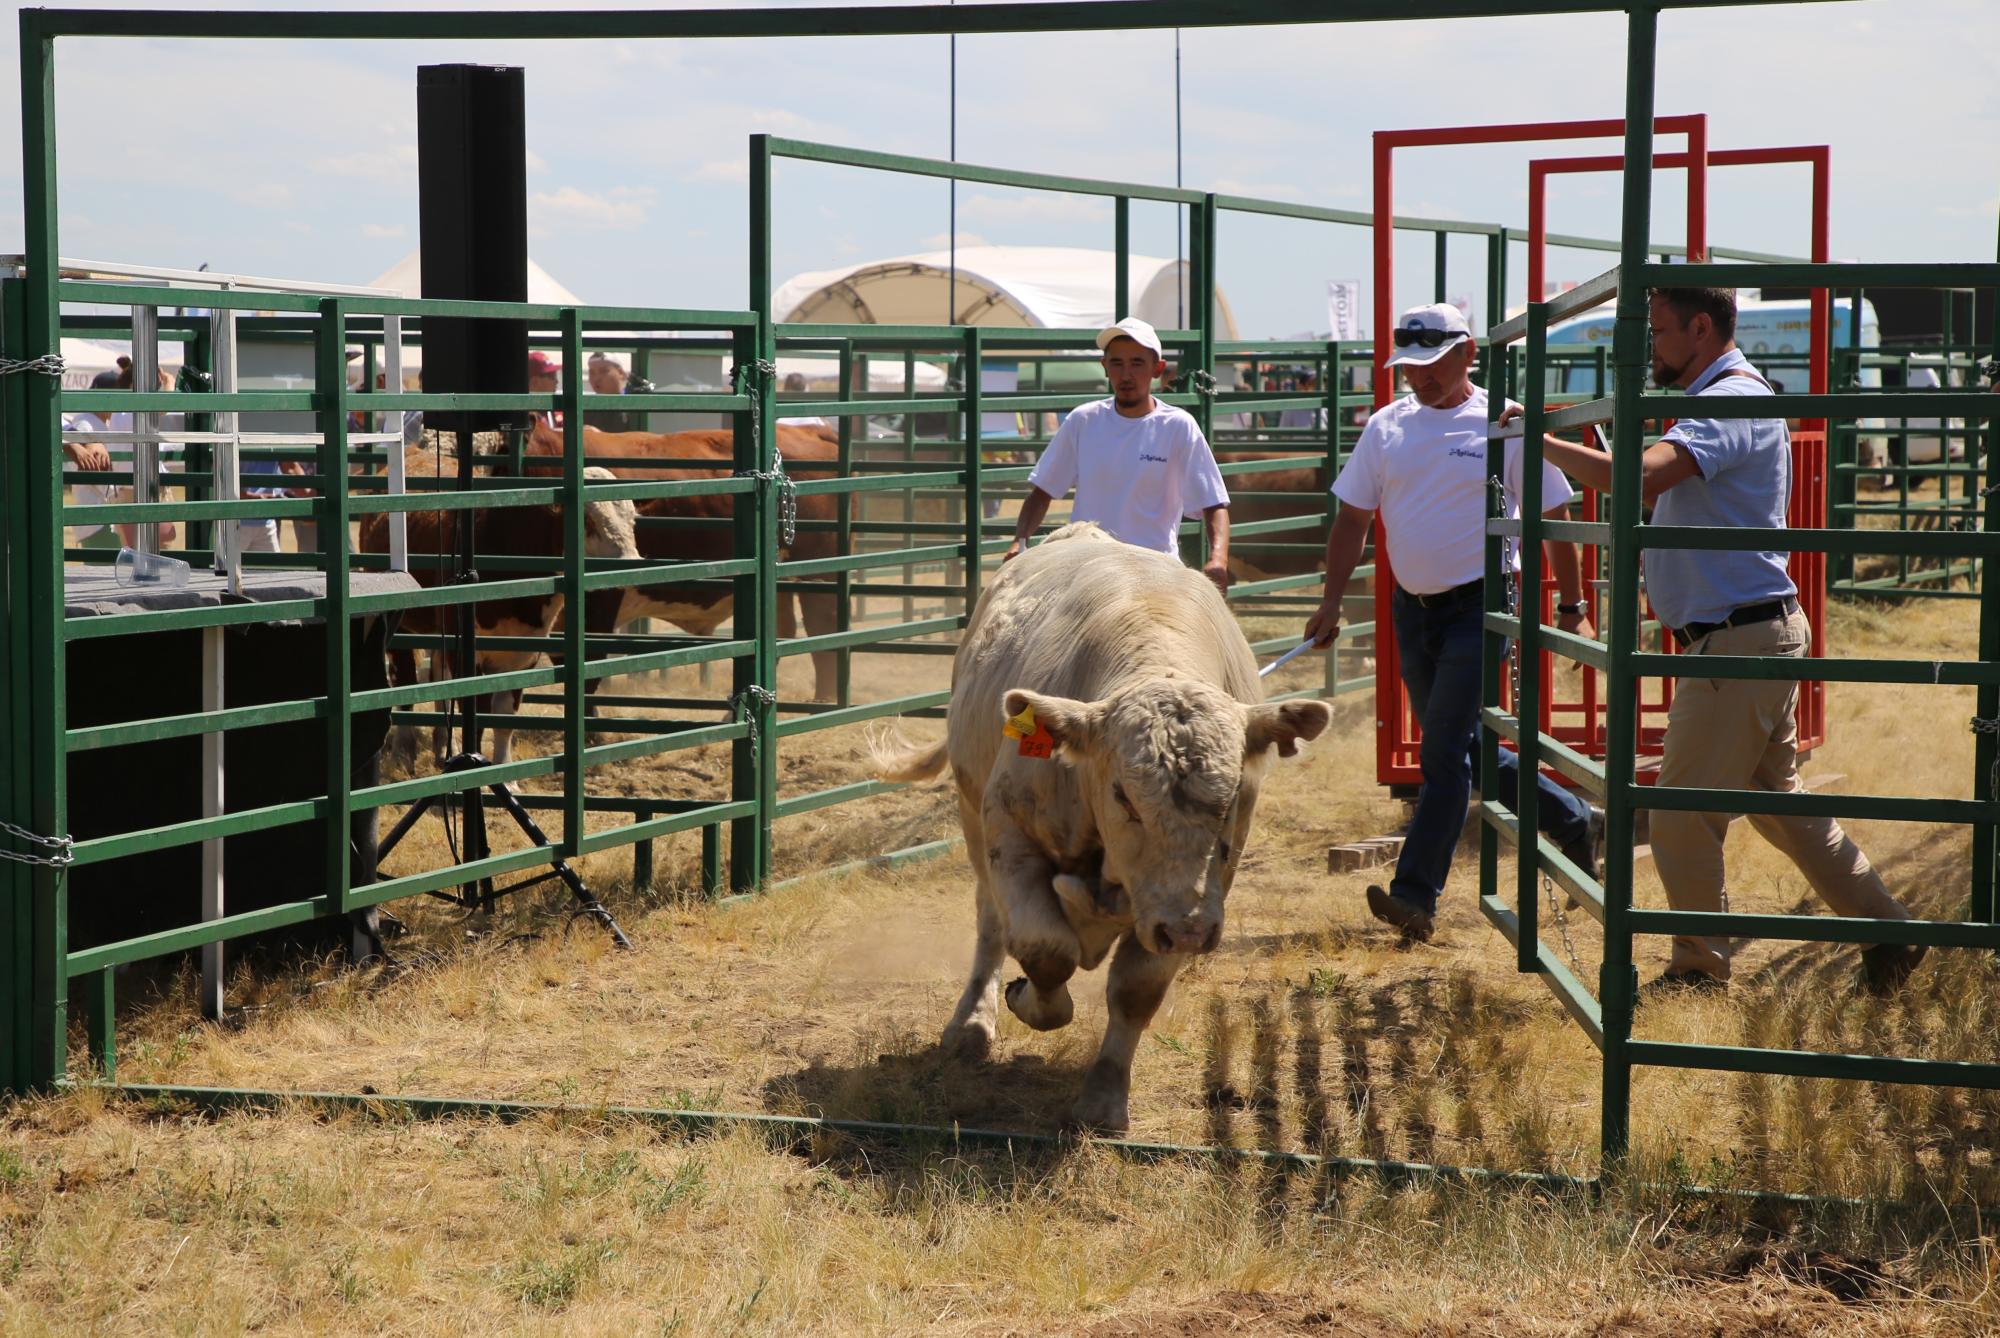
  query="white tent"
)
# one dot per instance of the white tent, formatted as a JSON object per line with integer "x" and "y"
{"x": 406, "y": 277}
{"x": 1045, "y": 287}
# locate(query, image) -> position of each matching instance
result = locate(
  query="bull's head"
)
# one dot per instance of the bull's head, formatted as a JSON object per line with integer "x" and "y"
{"x": 1170, "y": 770}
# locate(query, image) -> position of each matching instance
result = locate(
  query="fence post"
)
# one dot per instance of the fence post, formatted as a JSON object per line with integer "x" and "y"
{"x": 39, "y": 715}
{"x": 975, "y": 501}
{"x": 330, "y": 385}
{"x": 575, "y": 654}
{"x": 755, "y": 769}
{"x": 1618, "y": 984}
{"x": 843, "y": 531}
{"x": 1528, "y": 645}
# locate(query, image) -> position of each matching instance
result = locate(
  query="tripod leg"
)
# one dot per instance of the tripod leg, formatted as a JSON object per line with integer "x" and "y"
{"x": 586, "y": 900}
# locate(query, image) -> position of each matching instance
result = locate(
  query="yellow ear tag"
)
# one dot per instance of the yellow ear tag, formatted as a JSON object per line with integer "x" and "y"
{"x": 1036, "y": 741}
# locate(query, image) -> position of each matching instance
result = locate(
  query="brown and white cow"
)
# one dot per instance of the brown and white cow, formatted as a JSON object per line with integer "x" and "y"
{"x": 1132, "y": 832}
{"x": 700, "y": 607}
{"x": 518, "y": 531}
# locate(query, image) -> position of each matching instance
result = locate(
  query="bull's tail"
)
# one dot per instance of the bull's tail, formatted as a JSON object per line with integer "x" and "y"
{"x": 897, "y": 761}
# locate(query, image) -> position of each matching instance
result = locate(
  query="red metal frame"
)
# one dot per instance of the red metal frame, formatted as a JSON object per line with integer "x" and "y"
{"x": 1582, "y": 726}
{"x": 1396, "y": 731}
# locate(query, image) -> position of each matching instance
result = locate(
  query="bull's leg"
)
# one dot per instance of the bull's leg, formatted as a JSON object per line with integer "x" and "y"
{"x": 1038, "y": 936}
{"x": 822, "y": 616}
{"x": 1138, "y": 982}
{"x": 976, "y": 1020}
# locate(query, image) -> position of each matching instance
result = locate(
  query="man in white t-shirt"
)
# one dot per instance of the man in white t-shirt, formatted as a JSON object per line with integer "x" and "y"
{"x": 1421, "y": 465}
{"x": 1138, "y": 466}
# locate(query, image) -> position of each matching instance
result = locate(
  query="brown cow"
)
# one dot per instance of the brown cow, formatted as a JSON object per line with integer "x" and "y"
{"x": 700, "y": 607}
{"x": 520, "y": 531}
{"x": 1309, "y": 488}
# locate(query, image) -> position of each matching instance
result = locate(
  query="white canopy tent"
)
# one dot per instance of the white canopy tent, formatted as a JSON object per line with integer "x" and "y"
{"x": 1045, "y": 287}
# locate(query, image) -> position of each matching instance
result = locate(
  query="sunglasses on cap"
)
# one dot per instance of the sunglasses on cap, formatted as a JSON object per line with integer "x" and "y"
{"x": 1425, "y": 338}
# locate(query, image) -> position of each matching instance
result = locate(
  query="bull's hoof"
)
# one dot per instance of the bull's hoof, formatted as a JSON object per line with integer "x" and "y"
{"x": 1105, "y": 1106}
{"x": 970, "y": 1041}
{"x": 1043, "y": 1012}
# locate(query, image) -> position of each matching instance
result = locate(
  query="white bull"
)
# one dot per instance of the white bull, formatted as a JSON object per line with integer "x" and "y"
{"x": 1131, "y": 833}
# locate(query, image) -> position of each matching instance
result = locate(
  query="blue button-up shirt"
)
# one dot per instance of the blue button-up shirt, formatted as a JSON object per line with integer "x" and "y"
{"x": 1745, "y": 482}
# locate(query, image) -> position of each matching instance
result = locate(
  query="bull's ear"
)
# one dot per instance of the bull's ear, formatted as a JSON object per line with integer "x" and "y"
{"x": 1071, "y": 723}
{"x": 1284, "y": 725}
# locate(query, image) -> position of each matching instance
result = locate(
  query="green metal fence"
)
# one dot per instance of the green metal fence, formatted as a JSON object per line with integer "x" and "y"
{"x": 34, "y": 631}
{"x": 1606, "y": 1014}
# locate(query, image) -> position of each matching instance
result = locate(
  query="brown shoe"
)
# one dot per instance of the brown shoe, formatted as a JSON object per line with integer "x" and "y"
{"x": 1886, "y": 966}
{"x": 1413, "y": 920}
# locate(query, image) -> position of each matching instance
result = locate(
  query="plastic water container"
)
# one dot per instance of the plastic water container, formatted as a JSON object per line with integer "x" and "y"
{"x": 155, "y": 569}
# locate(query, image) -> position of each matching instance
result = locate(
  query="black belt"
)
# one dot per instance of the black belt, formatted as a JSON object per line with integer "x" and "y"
{"x": 1471, "y": 588}
{"x": 1749, "y": 613}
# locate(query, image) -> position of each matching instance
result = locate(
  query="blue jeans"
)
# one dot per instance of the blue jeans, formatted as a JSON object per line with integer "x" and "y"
{"x": 1438, "y": 650}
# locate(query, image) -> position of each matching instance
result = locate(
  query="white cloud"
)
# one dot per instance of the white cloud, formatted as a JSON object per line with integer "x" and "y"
{"x": 941, "y": 241}
{"x": 619, "y": 209}
{"x": 383, "y": 231}
{"x": 537, "y": 163}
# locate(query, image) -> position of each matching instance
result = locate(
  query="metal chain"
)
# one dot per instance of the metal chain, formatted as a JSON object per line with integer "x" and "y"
{"x": 1202, "y": 382}
{"x": 742, "y": 702}
{"x": 746, "y": 374}
{"x": 49, "y": 364}
{"x": 61, "y": 845}
{"x": 1980, "y": 725}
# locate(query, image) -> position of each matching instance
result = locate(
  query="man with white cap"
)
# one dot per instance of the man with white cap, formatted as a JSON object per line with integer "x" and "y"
{"x": 1421, "y": 464}
{"x": 1138, "y": 466}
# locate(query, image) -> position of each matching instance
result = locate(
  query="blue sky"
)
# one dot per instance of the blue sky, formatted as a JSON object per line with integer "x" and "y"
{"x": 299, "y": 159}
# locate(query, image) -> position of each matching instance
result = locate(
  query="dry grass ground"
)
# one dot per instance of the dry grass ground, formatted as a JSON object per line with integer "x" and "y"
{"x": 1309, "y": 1030}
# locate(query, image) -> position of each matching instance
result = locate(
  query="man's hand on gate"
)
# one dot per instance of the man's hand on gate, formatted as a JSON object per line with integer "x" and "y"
{"x": 88, "y": 455}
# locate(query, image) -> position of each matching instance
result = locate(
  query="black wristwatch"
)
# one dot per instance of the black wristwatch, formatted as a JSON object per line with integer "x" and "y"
{"x": 1578, "y": 608}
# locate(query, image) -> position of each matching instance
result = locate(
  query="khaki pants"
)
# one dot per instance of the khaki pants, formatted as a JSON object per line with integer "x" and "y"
{"x": 1742, "y": 734}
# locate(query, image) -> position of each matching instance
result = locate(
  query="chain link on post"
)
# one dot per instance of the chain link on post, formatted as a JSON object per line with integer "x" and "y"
{"x": 61, "y": 845}
{"x": 49, "y": 364}
{"x": 744, "y": 377}
{"x": 1979, "y": 725}
{"x": 744, "y": 706}
{"x": 1202, "y": 382}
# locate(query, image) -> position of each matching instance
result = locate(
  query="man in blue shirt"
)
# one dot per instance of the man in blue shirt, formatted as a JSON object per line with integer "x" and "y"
{"x": 1730, "y": 733}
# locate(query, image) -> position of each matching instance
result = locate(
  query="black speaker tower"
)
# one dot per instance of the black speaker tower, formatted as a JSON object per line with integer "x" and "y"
{"x": 472, "y": 211}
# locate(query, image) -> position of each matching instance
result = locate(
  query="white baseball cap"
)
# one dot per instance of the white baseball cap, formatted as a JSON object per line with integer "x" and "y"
{"x": 1439, "y": 321}
{"x": 1134, "y": 329}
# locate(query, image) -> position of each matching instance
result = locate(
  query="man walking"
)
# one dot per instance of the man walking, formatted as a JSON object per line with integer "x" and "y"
{"x": 1421, "y": 464}
{"x": 1730, "y": 733}
{"x": 1138, "y": 466}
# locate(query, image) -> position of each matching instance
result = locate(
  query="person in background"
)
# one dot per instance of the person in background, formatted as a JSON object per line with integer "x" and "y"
{"x": 795, "y": 384}
{"x": 1730, "y": 733}
{"x": 608, "y": 378}
{"x": 545, "y": 378}
{"x": 1421, "y": 465}
{"x": 1138, "y": 465}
